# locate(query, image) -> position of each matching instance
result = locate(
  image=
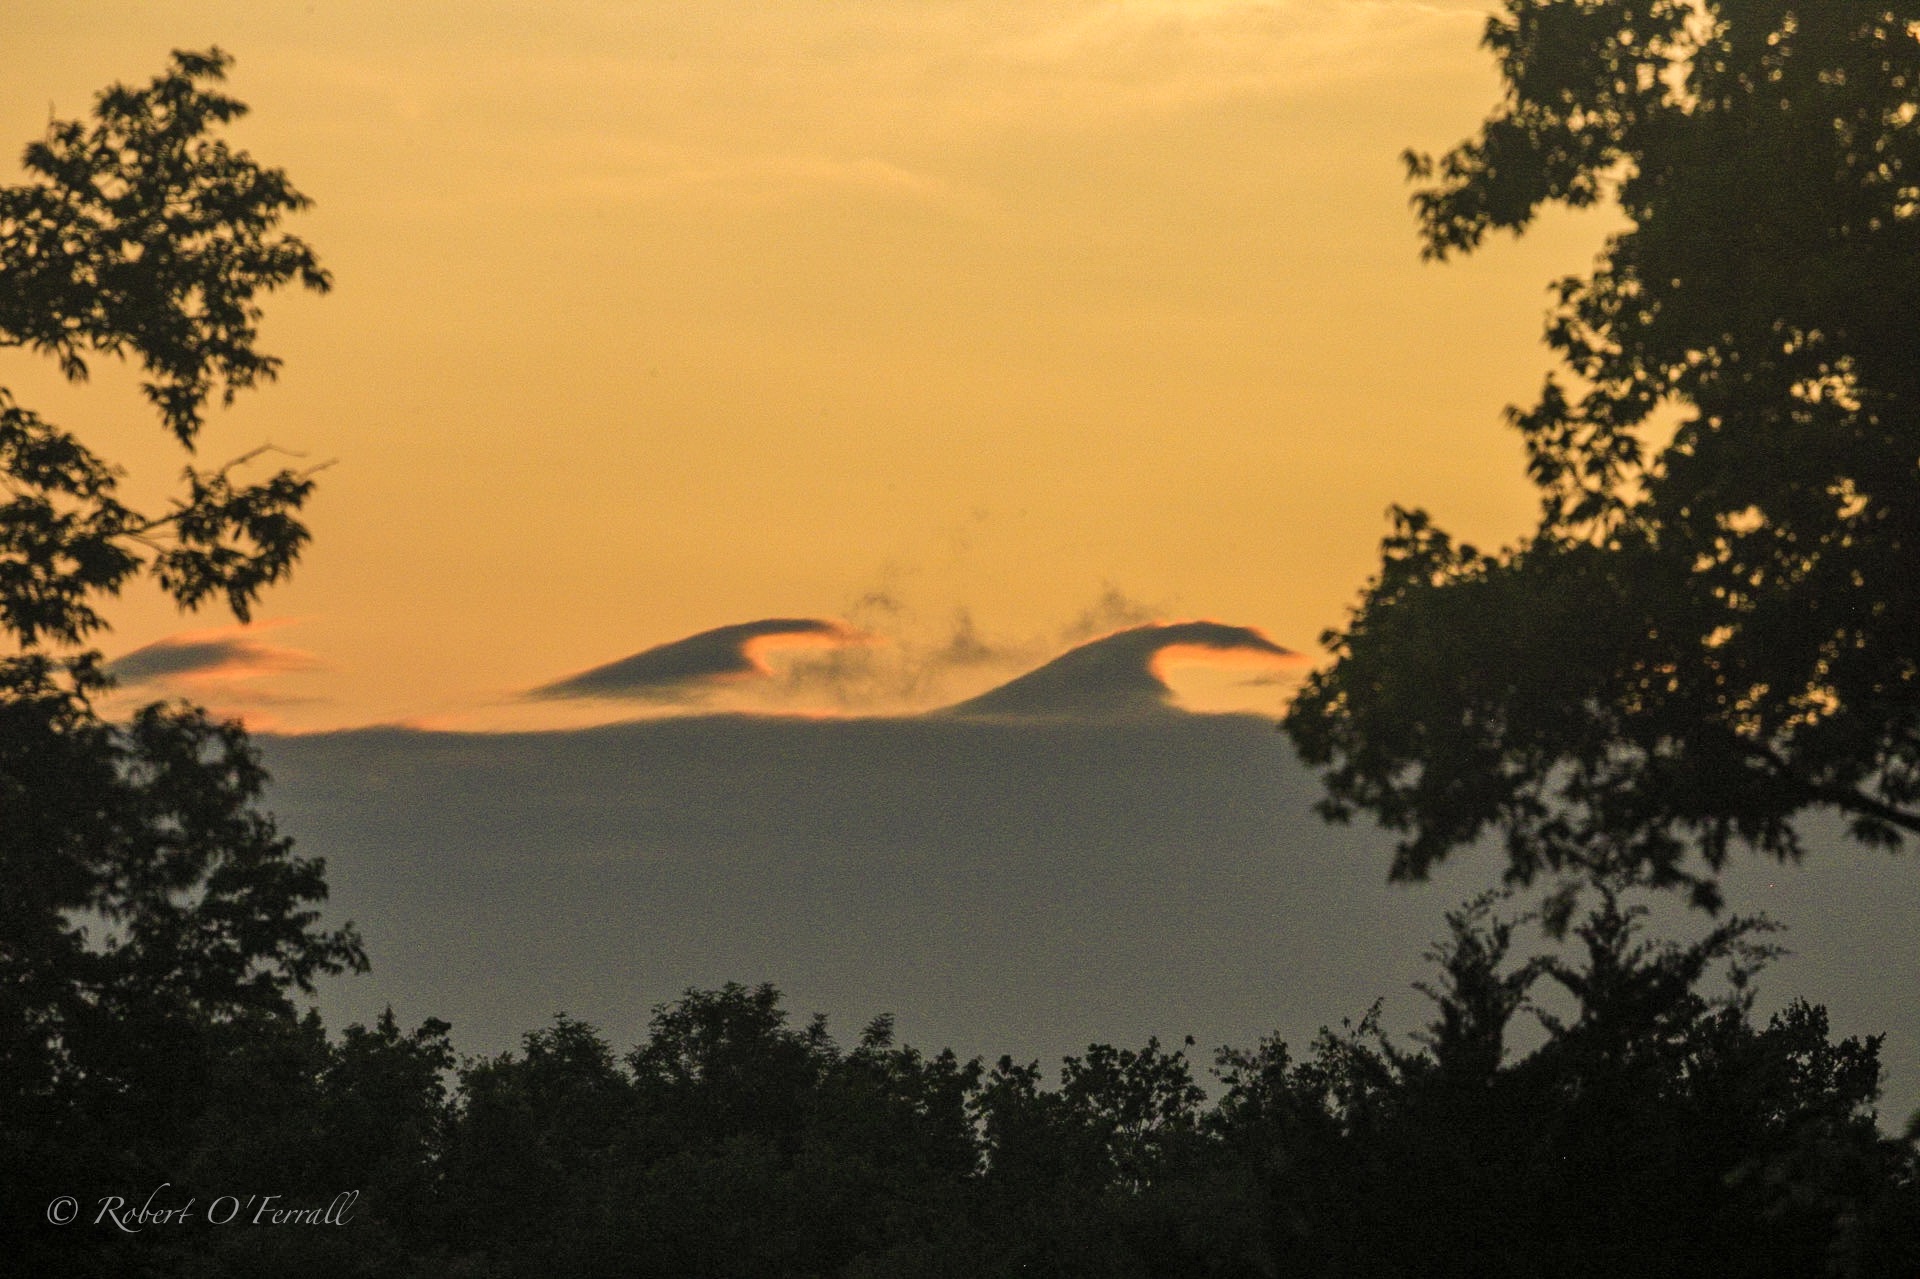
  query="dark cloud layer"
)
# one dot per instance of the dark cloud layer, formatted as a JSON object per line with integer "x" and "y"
{"x": 1004, "y": 885}
{"x": 1113, "y": 677}
{"x": 666, "y": 671}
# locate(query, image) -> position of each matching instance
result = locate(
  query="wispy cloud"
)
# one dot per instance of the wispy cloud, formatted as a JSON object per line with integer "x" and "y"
{"x": 668, "y": 99}
{"x": 1133, "y": 56}
{"x": 1114, "y": 610}
{"x": 905, "y": 668}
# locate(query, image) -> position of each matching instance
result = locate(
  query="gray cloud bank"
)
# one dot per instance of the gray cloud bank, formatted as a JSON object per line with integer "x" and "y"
{"x": 1003, "y": 885}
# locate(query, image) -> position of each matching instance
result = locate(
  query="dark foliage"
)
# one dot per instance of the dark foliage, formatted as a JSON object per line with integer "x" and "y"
{"x": 1654, "y": 1128}
{"x": 152, "y": 912}
{"x": 1713, "y": 632}
{"x": 1656, "y": 1131}
{"x": 142, "y": 235}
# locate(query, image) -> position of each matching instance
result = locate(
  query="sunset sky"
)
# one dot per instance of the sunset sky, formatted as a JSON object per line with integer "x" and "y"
{"x": 975, "y": 330}
{"x": 1011, "y": 361}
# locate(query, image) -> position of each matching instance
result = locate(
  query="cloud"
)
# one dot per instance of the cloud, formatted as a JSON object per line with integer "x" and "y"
{"x": 774, "y": 176}
{"x": 881, "y": 101}
{"x": 206, "y": 657}
{"x": 905, "y": 669}
{"x": 1023, "y": 887}
{"x": 1119, "y": 676}
{"x": 917, "y": 664}
{"x": 1113, "y": 611}
{"x": 965, "y": 646}
{"x": 673, "y": 671}
{"x": 1134, "y": 55}
{"x": 1016, "y": 886}
{"x": 886, "y": 658}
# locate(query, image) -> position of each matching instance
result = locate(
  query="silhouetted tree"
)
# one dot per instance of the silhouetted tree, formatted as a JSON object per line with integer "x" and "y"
{"x": 150, "y": 906}
{"x": 1656, "y": 1131}
{"x": 1654, "y": 1128}
{"x": 532, "y": 1146}
{"x": 291, "y": 1113}
{"x": 1111, "y": 1173}
{"x": 727, "y": 1144}
{"x": 1708, "y": 633}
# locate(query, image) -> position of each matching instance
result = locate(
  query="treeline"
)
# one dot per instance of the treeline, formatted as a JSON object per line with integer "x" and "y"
{"x": 1658, "y": 1128}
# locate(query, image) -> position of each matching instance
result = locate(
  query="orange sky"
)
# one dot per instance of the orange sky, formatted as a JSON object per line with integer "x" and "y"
{"x": 997, "y": 324}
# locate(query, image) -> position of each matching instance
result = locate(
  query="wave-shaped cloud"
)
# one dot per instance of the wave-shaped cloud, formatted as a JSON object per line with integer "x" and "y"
{"x": 876, "y": 668}
{"x": 1119, "y": 675}
{"x": 672, "y": 671}
{"x": 207, "y": 655}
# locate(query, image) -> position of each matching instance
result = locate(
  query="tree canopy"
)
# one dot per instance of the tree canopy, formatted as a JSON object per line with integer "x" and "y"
{"x": 149, "y": 902}
{"x": 142, "y": 235}
{"x": 732, "y": 1142}
{"x": 1715, "y": 626}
